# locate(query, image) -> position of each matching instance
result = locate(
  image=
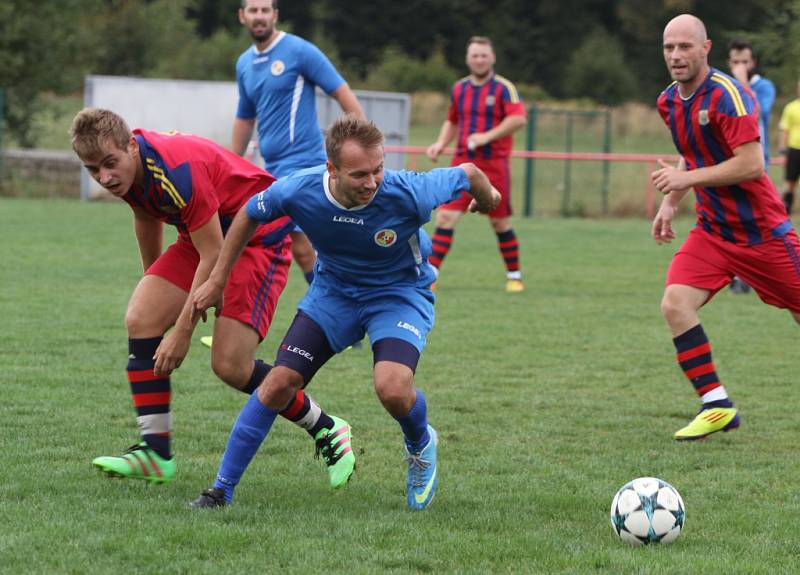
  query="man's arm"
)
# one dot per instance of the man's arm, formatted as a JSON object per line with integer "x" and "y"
{"x": 209, "y": 294}
{"x": 485, "y": 197}
{"x": 348, "y": 101}
{"x": 508, "y": 125}
{"x": 207, "y": 240}
{"x": 783, "y": 140}
{"x": 446, "y": 135}
{"x": 149, "y": 236}
{"x": 242, "y": 132}
{"x": 746, "y": 164}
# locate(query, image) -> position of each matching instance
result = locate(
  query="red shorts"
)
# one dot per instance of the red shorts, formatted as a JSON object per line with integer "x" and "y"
{"x": 254, "y": 286}
{"x": 499, "y": 174}
{"x": 771, "y": 268}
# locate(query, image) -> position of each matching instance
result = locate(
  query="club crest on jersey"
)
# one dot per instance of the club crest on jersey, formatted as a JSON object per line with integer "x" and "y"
{"x": 490, "y": 100}
{"x": 385, "y": 238}
{"x": 702, "y": 117}
{"x": 277, "y": 67}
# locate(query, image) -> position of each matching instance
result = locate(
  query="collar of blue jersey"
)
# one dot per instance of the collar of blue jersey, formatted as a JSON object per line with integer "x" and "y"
{"x": 328, "y": 194}
{"x": 281, "y": 35}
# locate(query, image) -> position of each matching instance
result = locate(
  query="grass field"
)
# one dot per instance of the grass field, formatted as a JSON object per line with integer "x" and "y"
{"x": 546, "y": 403}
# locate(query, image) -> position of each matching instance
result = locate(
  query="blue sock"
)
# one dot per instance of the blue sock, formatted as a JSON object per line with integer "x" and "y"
{"x": 415, "y": 424}
{"x": 249, "y": 431}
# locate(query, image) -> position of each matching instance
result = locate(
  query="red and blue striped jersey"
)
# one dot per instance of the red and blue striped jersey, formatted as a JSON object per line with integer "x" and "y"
{"x": 188, "y": 178}
{"x": 706, "y": 127}
{"x": 476, "y": 108}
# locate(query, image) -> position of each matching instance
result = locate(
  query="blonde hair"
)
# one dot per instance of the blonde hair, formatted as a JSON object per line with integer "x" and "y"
{"x": 350, "y": 127}
{"x": 94, "y": 128}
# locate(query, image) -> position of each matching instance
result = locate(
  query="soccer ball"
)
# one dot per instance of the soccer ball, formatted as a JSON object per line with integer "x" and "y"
{"x": 647, "y": 510}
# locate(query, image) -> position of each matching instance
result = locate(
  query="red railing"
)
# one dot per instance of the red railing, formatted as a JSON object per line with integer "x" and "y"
{"x": 650, "y": 159}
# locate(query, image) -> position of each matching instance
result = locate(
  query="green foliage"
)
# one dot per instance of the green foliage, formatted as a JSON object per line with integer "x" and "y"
{"x": 399, "y": 72}
{"x": 570, "y": 391}
{"x": 605, "y": 79}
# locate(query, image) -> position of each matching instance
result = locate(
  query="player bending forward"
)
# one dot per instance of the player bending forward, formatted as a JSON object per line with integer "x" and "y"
{"x": 372, "y": 276}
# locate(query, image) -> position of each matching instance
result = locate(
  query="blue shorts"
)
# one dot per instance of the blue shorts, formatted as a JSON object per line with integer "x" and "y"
{"x": 346, "y": 312}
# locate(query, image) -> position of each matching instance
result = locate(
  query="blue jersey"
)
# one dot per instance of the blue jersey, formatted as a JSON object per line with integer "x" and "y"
{"x": 374, "y": 245}
{"x": 765, "y": 94}
{"x": 276, "y": 87}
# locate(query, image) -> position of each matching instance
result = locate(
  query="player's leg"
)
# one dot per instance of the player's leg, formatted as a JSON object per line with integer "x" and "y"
{"x": 698, "y": 270}
{"x": 153, "y": 308}
{"x": 303, "y": 351}
{"x": 792, "y": 173}
{"x": 447, "y": 216}
{"x": 398, "y": 344}
{"x": 303, "y": 253}
{"x": 498, "y": 172}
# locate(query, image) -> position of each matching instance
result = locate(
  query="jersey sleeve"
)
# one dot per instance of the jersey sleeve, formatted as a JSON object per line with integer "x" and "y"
{"x": 192, "y": 182}
{"x": 736, "y": 115}
{"x": 785, "y": 114}
{"x": 317, "y": 68}
{"x": 245, "y": 109}
{"x": 452, "y": 112}
{"x": 267, "y": 206}
{"x": 438, "y": 187}
{"x": 765, "y": 92}
{"x": 512, "y": 105}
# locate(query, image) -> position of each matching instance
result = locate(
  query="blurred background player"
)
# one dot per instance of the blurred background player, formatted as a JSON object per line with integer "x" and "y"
{"x": 743, "y": 66}
{"x": 373, "y": 277}
{"x": 197, "y": 186}
{"x": 277, "y": 78}
{"x": 485, "y": 110}
{"x": 742, "y": 228}
{"x": 790, "y": 146}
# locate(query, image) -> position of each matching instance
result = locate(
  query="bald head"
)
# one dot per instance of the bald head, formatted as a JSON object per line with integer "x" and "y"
{"x": 689, "y": 25}
{"x": 686, "y": 48}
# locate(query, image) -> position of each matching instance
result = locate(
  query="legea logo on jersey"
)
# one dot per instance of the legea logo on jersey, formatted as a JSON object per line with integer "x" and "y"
{"x": 349, "y": 220}
{"x": 385, "y": 238}
{"x": 409, "y": 327}
{"x": 298, "y": 351}
{"x": 702, "y": 117}
{"x": 277, "y": 68}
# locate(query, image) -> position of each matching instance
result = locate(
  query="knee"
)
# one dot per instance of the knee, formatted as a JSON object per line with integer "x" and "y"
{"x": 672, "y": 308}
{"x": 395, "y": 394}
{"x": 138, "y": 323}
{"x": 231, "y": 372}
{"x": 280, "y": 385}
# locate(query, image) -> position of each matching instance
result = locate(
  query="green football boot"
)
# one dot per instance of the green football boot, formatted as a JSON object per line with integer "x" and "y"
{"x": 334, "y": 445}
{"x": 709, "y": 420}
{"x": 138, "y": 462}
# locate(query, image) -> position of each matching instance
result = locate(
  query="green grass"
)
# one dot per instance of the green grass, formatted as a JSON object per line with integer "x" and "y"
{"x": 546, "y": 403}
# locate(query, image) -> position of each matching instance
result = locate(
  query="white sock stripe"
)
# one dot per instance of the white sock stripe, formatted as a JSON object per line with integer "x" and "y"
{"x": 155, "y": 423}
{"x": 310, "y": 419}
{"x": 715, "y": 394}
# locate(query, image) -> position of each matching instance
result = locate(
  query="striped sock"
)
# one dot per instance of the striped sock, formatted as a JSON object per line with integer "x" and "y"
{"x": 307, "y": 413}
{"x": 415, "y": 424}
{"x": 509, "y": 249}
{"x": 248, "y": 433}
{"x": 302, "y": 410}
{"x": 151, "y": 395}
{"x": 442, "y": 241}
{"x": 694, "y": 357}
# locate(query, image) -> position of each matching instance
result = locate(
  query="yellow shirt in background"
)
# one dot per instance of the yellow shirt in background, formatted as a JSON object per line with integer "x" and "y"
{"x": 790, "y": 122}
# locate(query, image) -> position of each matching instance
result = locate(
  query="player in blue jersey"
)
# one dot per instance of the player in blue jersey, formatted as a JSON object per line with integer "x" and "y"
{"x": 277, "y": 77}
{"x": 743, "y": 65}
{"x": 372, "y": 275}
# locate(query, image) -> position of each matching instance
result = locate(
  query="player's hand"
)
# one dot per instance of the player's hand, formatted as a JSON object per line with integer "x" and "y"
{"x": 670, "y": 179}
{"x": 739, "y": 71}
{"x": 477, "y": 140}
{"x": 208, "y": 294}
{"x": 171, "y": 352}
{"x": 433, "y": 151}
{"x": 475, "y": 206}
{"x": 661, "y": 230}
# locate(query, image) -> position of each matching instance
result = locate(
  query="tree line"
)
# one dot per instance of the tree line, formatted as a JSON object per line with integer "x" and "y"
{"x": 606, "y": 51}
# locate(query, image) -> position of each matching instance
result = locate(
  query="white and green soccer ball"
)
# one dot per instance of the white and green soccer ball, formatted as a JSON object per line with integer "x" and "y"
{"x": 647, "y": 510}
